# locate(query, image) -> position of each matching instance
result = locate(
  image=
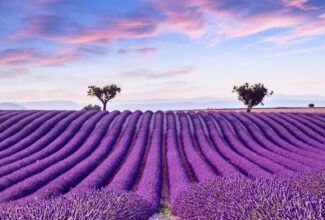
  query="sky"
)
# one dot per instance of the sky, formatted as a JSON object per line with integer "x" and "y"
{"x": 159, "y": 49}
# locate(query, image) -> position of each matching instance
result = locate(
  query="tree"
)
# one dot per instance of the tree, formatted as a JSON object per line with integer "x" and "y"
{"x": 92, "y": 107}
{"x": 105, "y": 93}
{"x": 311, "y": 105}
{"x": 251, "y": 95}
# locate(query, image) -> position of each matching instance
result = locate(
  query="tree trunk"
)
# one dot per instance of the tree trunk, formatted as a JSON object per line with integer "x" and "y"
{"x": 249, "y": 106}
{"x": 104, "y": 106}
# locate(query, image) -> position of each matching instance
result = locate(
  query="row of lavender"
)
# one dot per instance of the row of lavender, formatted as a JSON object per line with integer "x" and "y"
{"x": 47, "y": 153}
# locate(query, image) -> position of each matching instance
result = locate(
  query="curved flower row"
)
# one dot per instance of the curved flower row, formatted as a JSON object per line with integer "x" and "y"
{"x": 48, "y": 153}
{"x": 85, "y": 205}
{"x": 246, "y": 199}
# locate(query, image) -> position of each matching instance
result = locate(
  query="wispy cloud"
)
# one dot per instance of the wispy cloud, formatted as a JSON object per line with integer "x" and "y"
{"x": 218, "y": 20}
{"x": 155, "y": 75}
{"x": 94, "y": 49}
{"x": 10, "y": 57}
{"x": 235, "y": 27}
{"x": 209, "y": 21}
{"x": 111, "y": 30}
{"x": 21, "y": 57}
{"x": 144, "y": 50}
{"x": 181, "y": 16}
{"x": 13, "y": 72}
{"x": 299, "y": 34}
{"x": 301, "y": 4}
{"x": 297, "y": 51}
{"x": 16, "y": 62}
{"x": 47, "y": 27}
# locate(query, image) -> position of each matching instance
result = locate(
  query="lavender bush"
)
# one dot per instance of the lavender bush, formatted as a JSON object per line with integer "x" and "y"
{"x": 215, "y": 158}
{"x": 243, "y": 198}
{"x": 150, "y": 184}
{"x": 28, "y": 185}
{"x": 127, "y": 175}
{"x": 202, "y": 170}
{"x": 35, "y": 136}
{"x": 88, "y": 205}
{"x": 178, "y": 177}
{"x": 294, "y": 161}
{"x": 100, "y": 177}
{"x": 45, "y": 146}
{"x": 242, "y": 163}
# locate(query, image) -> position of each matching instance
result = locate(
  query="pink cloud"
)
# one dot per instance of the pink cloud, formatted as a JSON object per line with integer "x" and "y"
{"x": 182, "y": 16}
{"x": 110, "y": 29}
{"x": 217, "y": 21}
{"x": 239, "y": 27}
{"x": 16, "y": 62}
{"x": 21, "y": 57}
{"x": 301, "y": 4}
{"x": 210, "y": 20}
{"x": 11, "y": 56}
{"x": 60, "y": 57}
{"x": 113, "y": 29}
{"x": 311, "y": 29}
{"x": 299, "y": 34}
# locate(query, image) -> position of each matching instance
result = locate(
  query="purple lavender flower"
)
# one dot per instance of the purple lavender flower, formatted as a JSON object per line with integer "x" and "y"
{"x": 99, "y": 205}
{"x": 242, "y": 199}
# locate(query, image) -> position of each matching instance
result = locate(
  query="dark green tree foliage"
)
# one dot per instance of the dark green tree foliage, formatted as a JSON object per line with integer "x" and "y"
{"x": 104, "y": 94}
{"x": 311, "y": 105}
{"x": 92, "y": 107}
{"x": 251, "y": 95}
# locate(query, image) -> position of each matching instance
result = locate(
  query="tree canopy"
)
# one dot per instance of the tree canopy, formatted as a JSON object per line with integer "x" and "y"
{"x": 104, "y": 94}
{"x": 251, "y": 95}
{"x": 92, "y": 107}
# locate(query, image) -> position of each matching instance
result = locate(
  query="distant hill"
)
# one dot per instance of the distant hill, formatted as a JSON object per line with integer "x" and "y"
{"x": 172, "y": 104}
{"x": 41, "y": 105}
{"x": 48, "y": 105}
{"x": 11, "y": 106}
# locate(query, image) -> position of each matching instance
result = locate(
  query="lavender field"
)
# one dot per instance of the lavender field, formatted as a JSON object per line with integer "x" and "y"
{"x": 153, "y": 156}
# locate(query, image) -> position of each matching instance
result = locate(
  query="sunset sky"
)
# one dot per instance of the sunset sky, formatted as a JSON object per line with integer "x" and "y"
{"x": 159, "y": 49}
